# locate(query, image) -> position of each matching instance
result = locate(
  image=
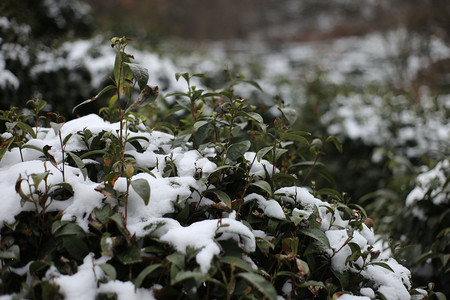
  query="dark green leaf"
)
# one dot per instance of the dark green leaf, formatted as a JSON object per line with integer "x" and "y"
{"x": 102, "y": 213}
{"x": 119, "y": 222}
{"x": 69, "y": 229}
{"x": 237, "y": 150}
{"x": 262, "y": 152}
{"x": 129, "y": 256}
{"x": 382, "y": 264}
{"x": 238, "y": 262}
{"x": 27, "y": 128}
{"x": 38, "y": 265}
{"x": 264, "y": 185}
{"x": 316, "y": 234}
{"x": 199, "y": 124}
{"x": 104, "y": 90}
{"x": 261, "y": 284}
{"x": 337, "y": 143}
{"x": 76, "y": 247}
{"x": 140, "y": 74}
{"x": 330, "y": 192}
{"x": 294, "y": 137}
{"x": 144, "y": 273}
{"x": 79, "y": 163}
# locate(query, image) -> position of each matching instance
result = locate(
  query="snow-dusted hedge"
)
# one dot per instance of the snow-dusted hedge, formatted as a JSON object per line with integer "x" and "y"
{"x": 225, "y": 207}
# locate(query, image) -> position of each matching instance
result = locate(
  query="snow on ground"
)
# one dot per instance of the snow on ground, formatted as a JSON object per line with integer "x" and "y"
{"x": 166, "y": 191}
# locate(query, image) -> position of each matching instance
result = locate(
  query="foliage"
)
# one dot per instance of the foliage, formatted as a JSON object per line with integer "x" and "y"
{"x": 251, "y": 184}
{"x": 30, "y": 31}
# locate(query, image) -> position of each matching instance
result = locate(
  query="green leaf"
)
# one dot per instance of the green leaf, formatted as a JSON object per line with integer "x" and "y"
{"x": 144, "y": 273}
{"x": 294, "y": 137}
{"x": 337, "y": 143}
{"x": 177, "y": 259}
{"x": 251, "y": 82}
{"x": 290, "y": 114}
{"x": 312, "y": 283}
{"x": 238, "y": 262}
{"x": 237, "y": 150}
{"x": 316, "y": 234}
{"x": 119, "y": 222}
{"x": 106, "y": 244}
{"x": 262, "y": 152}
{"x": 102, "y": 213}
{"x": 38, "y": 265}
{"x": 75, "y": 246}
{"x": 184, "y": 75}
{"x": 252, "y": 115}
{"x": 68, "y": 229}
{"x": 79, "y": 163}
{"x": 222, "y": 196}
{"x": 109, "y": 270}
{"x": 27, "y": 128}
{"x": 298, "y": 216}
{"x": 104, "y": 90}
{"x": 93, "y": 152}
{"x": 37, "y": 178}
{"x": 344, "y": 278}
{"x": 382, "y": 264}
{"x": 264, "y": 185}
{"x": 120, "y": 68}
{"x": 330, "y": 192}
{"x": 199, "y": 124}
{"x": 12, "y": 252}
{"x": 5, "y": 146}
{"x": 129, "y": 256}
{"x": 56, "y": 127}
{"x": 66, "y": 139}
{"x": 440, "y": 296}
{"x": 279, "y": 152}
{"x": 183, "y": 275}
{"x": 140, "y": 74}
{"x": 29, "y": 147}
{"x": 261, "y": 284}
{"x": 142, "y": 188}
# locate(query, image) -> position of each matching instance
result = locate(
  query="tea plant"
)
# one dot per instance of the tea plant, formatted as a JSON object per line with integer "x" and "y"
{"x": 236, "y": 210}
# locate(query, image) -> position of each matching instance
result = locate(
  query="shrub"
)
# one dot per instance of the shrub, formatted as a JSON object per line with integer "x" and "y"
{"x": 223, "y": 206}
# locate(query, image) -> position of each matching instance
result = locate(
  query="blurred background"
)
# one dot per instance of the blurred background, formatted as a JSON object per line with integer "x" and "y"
{"x": 375, "y": 73}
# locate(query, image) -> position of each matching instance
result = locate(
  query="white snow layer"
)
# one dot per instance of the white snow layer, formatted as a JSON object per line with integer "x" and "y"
{"x": 202, "y": 236}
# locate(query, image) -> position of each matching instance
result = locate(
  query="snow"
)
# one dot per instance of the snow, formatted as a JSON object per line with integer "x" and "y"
{"x": 83, "y": 284}
{"x": 431, "y": 180}
{"x": 201, "y": 236}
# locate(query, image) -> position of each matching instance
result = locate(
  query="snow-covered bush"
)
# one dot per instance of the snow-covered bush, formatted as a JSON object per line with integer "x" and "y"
{"x": 225, "y": 206}
{"x": 29, "y": 34}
